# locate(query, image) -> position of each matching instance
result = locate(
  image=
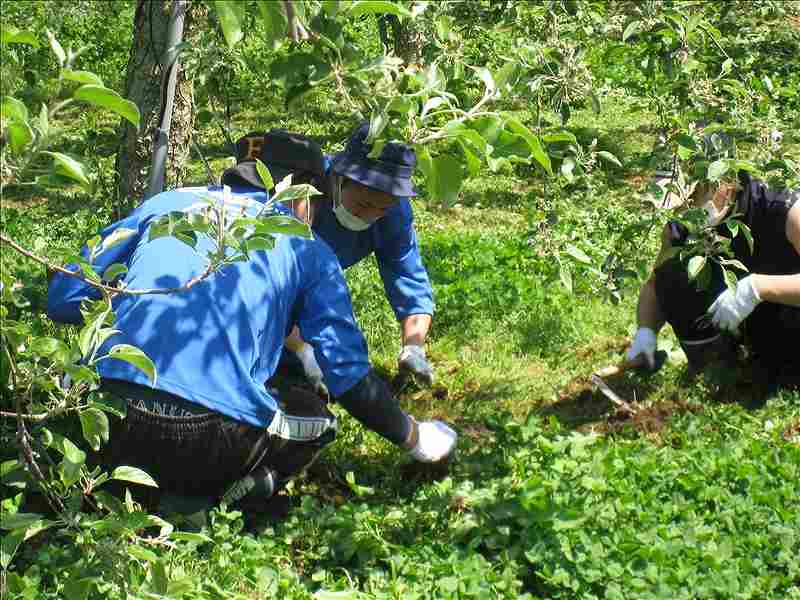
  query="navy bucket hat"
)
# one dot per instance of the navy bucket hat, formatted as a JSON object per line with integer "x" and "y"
{"x": 390, "y": 172}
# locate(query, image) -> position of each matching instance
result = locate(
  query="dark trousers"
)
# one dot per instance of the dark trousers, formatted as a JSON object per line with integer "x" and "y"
{"x": 770, "y": 333}
{"x": 192, "y": 451}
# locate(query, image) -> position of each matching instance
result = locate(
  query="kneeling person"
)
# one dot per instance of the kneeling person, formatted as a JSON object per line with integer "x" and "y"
{"x": 208, "y": 425}
{"x": 765, "y": 303}
{"x": 364, "y": 211}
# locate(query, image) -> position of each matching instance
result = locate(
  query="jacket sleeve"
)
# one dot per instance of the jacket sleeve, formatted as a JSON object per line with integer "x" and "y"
{"x": 65, "y": 293}
{"x": 326, "y": 321}
{"x": 405, "y": 279}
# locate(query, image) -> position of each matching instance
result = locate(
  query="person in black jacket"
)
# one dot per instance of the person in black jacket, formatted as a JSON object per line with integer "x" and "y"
{"x": 762, "y": 311}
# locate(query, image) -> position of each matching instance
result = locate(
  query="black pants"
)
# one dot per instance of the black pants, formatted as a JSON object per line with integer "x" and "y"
{"x": 192, "y": 451}
{"x": 765, "y": 332}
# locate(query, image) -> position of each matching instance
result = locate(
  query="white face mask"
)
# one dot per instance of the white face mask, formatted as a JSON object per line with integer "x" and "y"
{"x": 347, "y": 219}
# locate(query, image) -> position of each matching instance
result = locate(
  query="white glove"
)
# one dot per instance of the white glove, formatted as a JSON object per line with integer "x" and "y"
{"x": 644, "y": 344}
{"x": 412, "y": 360}
{"x": 311, "y": 369}
{"x": 733, "y": 306}
{"x": 435, "y": 442}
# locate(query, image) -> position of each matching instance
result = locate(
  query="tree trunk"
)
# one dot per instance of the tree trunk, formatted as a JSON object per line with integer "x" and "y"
{"x": 408, "y": 42}
{"x": 408, "y": 37}
{"x": 143, "y": 86}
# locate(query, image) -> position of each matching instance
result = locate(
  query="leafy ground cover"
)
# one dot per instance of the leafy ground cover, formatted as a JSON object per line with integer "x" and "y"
{"x": 553, "y": 494}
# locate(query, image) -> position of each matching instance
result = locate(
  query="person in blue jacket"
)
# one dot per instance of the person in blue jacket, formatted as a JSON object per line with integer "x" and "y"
{"x": 365, "y": 210}
{"x": 208, "y": 425}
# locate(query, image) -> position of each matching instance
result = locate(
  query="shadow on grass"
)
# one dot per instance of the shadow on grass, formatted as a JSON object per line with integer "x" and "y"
{"x": 393, "y": 476}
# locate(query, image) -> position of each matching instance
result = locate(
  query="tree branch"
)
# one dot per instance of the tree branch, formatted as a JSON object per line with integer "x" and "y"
{"x": 109, "y": 288}
{"x": 489, "y": 95}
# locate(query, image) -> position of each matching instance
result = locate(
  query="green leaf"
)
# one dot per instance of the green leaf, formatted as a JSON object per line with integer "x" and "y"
{"x": 11, "y": 35}
{"x": 565, "y": 274}
{"x": 727, "y": 66}
{"x": 142, "y": 553}
{"x": 567, "y": 167}
{"x": 265, "y": 175}
{"x": 74, "y": 459}
{"x": 8, "y": 547}
{"x": 730, "y": 279}
{"x": 257, "y": 243}
{"x": 432, "y": 104}
{"x": 69, "y": 167}
{"x": 717, "y": 169}
{"x": 44, "y": 121}
{"x": 82, "y": 77}
{"x": 562, "y": 136}
{"x": 608, "y": 157}
{"x": 488, "y": 81}
{"x": 685, "y": 153}
{"x": 106, "y": 98}
{"x": 19, "y": 136}
{"x": 578, "y": 254}
{"x": 113, "y": 271}
{"x": 274, "y": 21}
{"x": 133, "y": 475}
{"x": 187, "y": 536}
{"x": 534, "y": 143}
{"x": 425, "y": 164}
{"x": 506, "y": 76}
{"x": 540, "y": 155}
{"x": 95, "y": 427}
{"x": 448, "y": 179}
{"x": 67, "y": 449}
{"x": 695, "y": 267}
{"x": 61, "y": 56}
{"x": 19, "y": 520}
{"x": 136, "y": 357}
{"x": 86, "y": 268}
{"x": 366, "y": 7}
{"x": 47, "y": 346}
{"x": 632, "y": 28}
{"x": 13, "y": 110}
{"x": 748, "y": 236}
{"x": 81, "y": 374}
{"x": 296, "y": 192}
{"x": 231, "y": 15}
{"x": 736, "y": 264}
{"x": 472, "y": 161}
{"x": 283, "y": 224}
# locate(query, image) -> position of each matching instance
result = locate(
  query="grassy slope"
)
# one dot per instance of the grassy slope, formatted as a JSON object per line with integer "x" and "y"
{"x": 693, "y": 492}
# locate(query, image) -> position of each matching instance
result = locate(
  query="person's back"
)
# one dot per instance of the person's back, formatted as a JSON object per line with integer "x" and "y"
{"x": 217, "y": 343}
{"x": 208, "y": 423}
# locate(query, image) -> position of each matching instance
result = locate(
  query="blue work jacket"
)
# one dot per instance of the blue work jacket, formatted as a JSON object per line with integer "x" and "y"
{"x": 393, "y": 241}
{"x": 217, "y": 343}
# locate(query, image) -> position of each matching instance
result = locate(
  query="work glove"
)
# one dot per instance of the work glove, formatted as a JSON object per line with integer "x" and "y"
{"x": 435, "y": 441}
{"x": 733, "y": 306}
{"x": 311, "y": 369}
{"x": 412, "y": 361}
{"x": 644, "y": 345}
